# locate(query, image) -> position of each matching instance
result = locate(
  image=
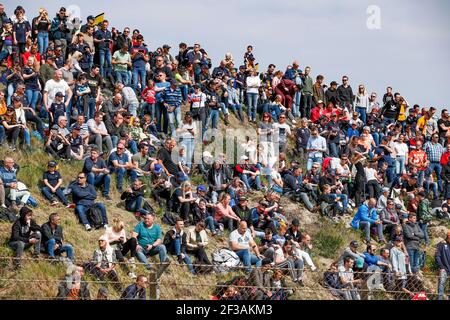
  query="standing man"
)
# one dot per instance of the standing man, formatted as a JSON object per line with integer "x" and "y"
{"x": 443, "y": 261}
{"x": 316, "y": 147}
{"x": 103, "y": 39}
{"x": 307, "y": 94}
{"x": 412, "y": 235}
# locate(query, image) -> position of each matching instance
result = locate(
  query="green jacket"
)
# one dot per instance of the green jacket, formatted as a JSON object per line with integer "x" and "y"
{"x": 424, "y": 211}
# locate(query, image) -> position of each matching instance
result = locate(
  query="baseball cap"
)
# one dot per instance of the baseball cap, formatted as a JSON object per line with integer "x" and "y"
{"x": 201, "y": 188}
{"x": 181, "y": 177}
{"x": 16, "y": 98}
{"x": 319, "y": 102}
{"x": 55, "y": 127}
{"x": 244, "y": 157}
{"x": 52, "y": 164}
{"x": 173, "y": 82}
{"x": 243, "y": 198}
{"x": 103, "y": 238}
{"x": 333, "y": 83}
{"x": 413, "y": 176}
{"x": 10, "y": 108}
{"x": 264, "y": 203}
{"x": 398, "y": 238}
{"x": 63, "y": 9}
{"x": 295, "y": 222}
{"x": 76, "y": 127}
{"x": 59, "y": 94}
{"x": 90, "y": 17}
{"x": 385, "y": 189}
{"x": 157, "y": 168}
{"x": 166, "y": 46}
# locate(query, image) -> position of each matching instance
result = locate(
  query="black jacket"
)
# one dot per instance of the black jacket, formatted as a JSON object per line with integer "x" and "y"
{"x": 412, "y": 235}
{"x": 133, "y": 195}
{"x": 345, "y": 95}
{"x": 48, "y": 233}
{"x": 226, "y": 177}
{"x": 446, "y": 172}
{"x": 290, "y": 183}
{"x": 443, "y": 256}
{"x": 18, "y": 230}
{"x": 168, "y": 241}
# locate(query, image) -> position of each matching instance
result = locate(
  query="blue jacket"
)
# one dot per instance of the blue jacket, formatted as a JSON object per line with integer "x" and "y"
{"x": 85, "y": 196}
{"x": 8, "y": 176}
{"x": 363, "y": 214}
{"x": 172, "y": 97}
{"x": 133, "y": 293}
{"x": 371, "y": 260}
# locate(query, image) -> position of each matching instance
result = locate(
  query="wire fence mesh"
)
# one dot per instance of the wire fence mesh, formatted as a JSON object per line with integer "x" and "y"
{"x": 179, "y": 281}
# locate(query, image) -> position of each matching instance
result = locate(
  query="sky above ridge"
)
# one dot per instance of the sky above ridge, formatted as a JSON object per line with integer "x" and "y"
{"x": 410, "y": 50}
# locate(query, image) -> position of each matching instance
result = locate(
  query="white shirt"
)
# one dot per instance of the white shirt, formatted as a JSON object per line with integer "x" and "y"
{"x": 401, "y": 149}
{"x": 187, "y": 134}
{"x": 198, "y": 100}
{"x": 52, "y": 88}
{"x": 253, "y": 84}
{"x": 371, "y": 174}
{"x": 242, "y": 240}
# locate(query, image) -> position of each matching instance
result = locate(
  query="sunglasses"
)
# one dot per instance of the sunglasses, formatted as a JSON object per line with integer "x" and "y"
{"x": 120, "y": 148}
{"x": 81, "y": 177}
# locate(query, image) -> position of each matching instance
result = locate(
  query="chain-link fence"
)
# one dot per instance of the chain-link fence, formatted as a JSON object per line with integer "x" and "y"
{"x": 41, "y": 279}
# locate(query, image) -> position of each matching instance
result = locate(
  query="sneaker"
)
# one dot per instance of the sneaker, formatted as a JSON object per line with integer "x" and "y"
{"x": 132, "y": 275}
{"x": 71, "y": 206}
{"x": 107, "y": 198}
{"x": 221, "y": 227}
{"x": 88, "y": 227}
{"x": 105, "y": 226}
{"x": 54, "y": 203}
{"x": 4, "y": 206}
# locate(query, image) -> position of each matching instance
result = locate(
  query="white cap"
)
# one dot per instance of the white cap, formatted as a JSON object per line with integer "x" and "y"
{"x": 207, "y": 154}
{"x": 244, "y": 157}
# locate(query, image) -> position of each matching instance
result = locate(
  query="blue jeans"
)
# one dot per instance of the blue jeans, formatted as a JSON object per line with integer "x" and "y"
{"x": 161, "y": 118}
{"x": 296, "y": 104}
{"x": 189, "y": 146}
{"x": 311, "y": 160}
{"x": 211, "y": 224}
{"x": 414, "y": 259}
{"x": 132, "y": 144}
{"x": 143, "y": 253}
{"x": 59, "y": 193}
{"x": 176, "y": 248}
{"x": 251, "y": 182}
{"x": 248, "y": 259}
{"x": 121, "y": 172}
{"x": 366, "y": 225}
{"x": 139, "y": 74}
{"x": 32, "y": 97}
{"x": 400, "y": 165}
{"x": 2, "y": 134}
{"x": 42, "y": 39}
{"x": 174, "y": 116}
{"x": 433, "y": 186}
{"x": 213, "y": 118}
{"x": 100, "y": 179}
{"x": 27, "y": 137}
{"x": 184, "y": 91}
{"x": 122, "y": 77}
{"x": 147, "y": 108}
{"x": 333, "y": 149}
{"x": 252, "y": 101}
{"x": 91, "y": 108}
{"x": 67, "y": 248}
{"x": 362, "y": 113}
{"x": 344, "y": 199}
{"x": 387, "y": 121}
{"x": 81, "y": 211}
{"x": 105, "y": 58}
{"x": 424, "y": 228}
{"x": 377, "y": 136}
{"x": 135, "y": 205}
{"x": 443, "y": 276}
{"x": 11, "y": 90}
{"x": 420, "y": 177}
{"x": 436, "y": 167}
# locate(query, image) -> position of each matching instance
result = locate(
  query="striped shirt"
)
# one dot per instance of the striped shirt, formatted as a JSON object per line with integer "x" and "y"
{"x": 434, "y": 151}
{"x": 172, "y": 97}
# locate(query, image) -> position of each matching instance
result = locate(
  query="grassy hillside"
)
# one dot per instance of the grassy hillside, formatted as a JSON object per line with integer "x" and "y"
{"x": 39, "y": 280}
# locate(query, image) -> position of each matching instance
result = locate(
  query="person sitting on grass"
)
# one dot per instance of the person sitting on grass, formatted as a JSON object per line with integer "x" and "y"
{"x": 25, "y": 234}
{"x": 52, "y": 186}
{"x": 137, "y": 290}
{"x": 53, "y": 238}
{"x": 241, "y": 242}
{"x": 134, "y": 198}
{"x": 176, "y": 242}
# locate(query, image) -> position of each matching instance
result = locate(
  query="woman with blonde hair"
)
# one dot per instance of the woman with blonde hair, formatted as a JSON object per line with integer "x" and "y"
{"x": 362, "y": 102}
{"x": 181, "y": 200}
{"x": 117, "y": 239}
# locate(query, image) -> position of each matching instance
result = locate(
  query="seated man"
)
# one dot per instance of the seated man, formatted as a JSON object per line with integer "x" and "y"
{"x": 136, "y": 291}
{"x": 76, "y": 143}
{"x": 347, "y": 279}
{"x": 52, "y": 180}
{"x": 120, "y": 163}
{"x": 366, "y": 217}
{"x": 84, "y": 195}
{"x": 97, "y": 172}
{"x": 142, "y": 163}
{"x": 249, "y": 174}
{"x": 98, "y": 133}
{"x": 175, "y": 241}
{"x": 294, "y": 188}
{"x": 160, "y": 185}
{"x": 149, "y": 239}
{"x": 25, "y": 234}
{"x": 241, "y": 242}
{"x": 57, "y": 145}
{"x": 134, "y": 198}
{"x": 53, "y": 237}
{"x": 103, "y": 264}
{"x": 8, "y": 174}
{"x": 197, "y": 240}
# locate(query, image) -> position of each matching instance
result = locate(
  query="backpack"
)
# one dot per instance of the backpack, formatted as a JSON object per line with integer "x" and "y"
{"x": 94, "y": 216}
{"x": 224, "y": 260}
{"x": 169, "y": 218}
{"x": 7, "y": 215}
